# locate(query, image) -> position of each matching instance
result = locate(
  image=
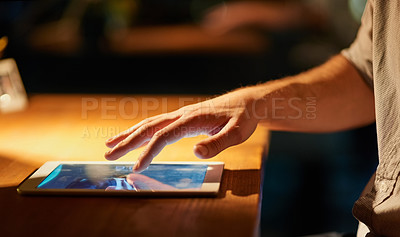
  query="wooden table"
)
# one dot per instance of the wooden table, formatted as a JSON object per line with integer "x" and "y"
{"x": 74, "y": 127}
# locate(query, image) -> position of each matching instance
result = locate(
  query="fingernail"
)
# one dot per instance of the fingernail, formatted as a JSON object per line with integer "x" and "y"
{"x": 107, "y": 156}
{"x": 201, "y": 151}
{"x": 110, "y": 139}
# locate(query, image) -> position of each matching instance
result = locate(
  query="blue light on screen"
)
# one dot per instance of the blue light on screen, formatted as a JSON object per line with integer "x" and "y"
{"x": 105, "y": 176}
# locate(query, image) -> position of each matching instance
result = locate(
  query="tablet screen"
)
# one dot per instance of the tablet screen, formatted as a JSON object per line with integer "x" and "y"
{"x": 120, "y": 177}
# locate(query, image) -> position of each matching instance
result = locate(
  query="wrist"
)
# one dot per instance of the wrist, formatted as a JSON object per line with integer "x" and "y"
{"x": 274, "y": 100}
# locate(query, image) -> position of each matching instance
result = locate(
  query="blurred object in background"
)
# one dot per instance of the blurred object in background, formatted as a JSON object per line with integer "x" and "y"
{"x": 165, "y": 32}
{"x": 60, "y": 34}
{"x": 266, "y": 15}
{"x": 76, "y": 27}
{"x": 182, "y": 39}
{"x": 12, "y": 93}
{"x": 79, "y": 27}
{"x": 133, "y": 26}
{"x": 343, "y": 19}
{"x": 3, "y": 45}
{"x": 91, "y": 41}
{"x": 357, "y": 9}
{"x": 223, "y": 42}
{"x": 120, "y": 14}
{"x": 13, "y": 97}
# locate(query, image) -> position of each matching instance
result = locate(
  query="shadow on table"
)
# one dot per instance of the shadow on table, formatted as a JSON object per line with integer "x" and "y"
{"x": 240, "y": 182}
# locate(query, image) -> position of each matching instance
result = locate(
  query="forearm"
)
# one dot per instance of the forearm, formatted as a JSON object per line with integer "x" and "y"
{"x": 328, "y": 98}
{"x": 331, "y": 97}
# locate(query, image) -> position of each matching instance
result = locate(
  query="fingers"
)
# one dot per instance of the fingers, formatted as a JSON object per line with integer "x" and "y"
{"x": 162, "y": 130}
{"x": 111, "y": 142}
{"x": 230, "y": 135}
{"x": 226, "y": 136}
{"x": 139, "y": 137}
{"x": 159, "y": 140}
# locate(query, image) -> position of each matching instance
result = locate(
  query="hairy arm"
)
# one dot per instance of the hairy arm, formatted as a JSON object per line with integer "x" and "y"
{"x": 330, "y": 97}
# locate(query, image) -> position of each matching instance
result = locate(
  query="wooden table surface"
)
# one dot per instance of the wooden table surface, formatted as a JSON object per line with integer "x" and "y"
{"x": 74, "y": 127}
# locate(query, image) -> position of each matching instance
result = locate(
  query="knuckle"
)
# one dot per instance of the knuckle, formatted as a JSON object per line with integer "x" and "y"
{"x": 188, "y": 110}
{"x": 159, "y": 134}
{"x": 127, "y": 131}
{"x": 122, "y": 145}
{"x": 145, "y": 130}
{"x": 163, "y": 133}
{"x": 217, "y": 145}
{"x": 161, "y": 139}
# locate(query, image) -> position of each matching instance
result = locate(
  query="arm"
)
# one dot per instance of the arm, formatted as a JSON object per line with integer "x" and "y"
{"x": 340, "y": 97}
{"x": 342, "y": 100}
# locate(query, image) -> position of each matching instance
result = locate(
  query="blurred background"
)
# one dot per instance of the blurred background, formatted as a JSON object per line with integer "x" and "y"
{"x": 208, "y": 47}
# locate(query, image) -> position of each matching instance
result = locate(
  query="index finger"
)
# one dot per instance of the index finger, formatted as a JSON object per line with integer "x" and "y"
{"x": 168, "y": 135}
{"x": 111, "y": 142}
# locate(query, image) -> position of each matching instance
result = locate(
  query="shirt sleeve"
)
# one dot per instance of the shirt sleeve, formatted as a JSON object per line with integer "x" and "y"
{"x": 360, "y": 51}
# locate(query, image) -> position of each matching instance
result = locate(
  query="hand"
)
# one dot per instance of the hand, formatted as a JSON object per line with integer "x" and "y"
{"x": 228, "y": 120}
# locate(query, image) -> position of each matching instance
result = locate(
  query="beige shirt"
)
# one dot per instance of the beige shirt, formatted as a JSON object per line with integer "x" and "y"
{"x": 376, "y": 54}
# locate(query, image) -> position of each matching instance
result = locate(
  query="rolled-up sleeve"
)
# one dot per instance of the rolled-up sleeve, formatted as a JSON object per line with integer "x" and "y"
{"x": 360, "y": 51}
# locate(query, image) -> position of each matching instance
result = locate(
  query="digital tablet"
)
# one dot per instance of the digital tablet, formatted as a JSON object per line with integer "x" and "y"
{"x": 116, "y": 178}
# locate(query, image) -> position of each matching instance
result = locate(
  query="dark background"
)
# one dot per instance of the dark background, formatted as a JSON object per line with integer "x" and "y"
{"x": 310, "y": 181}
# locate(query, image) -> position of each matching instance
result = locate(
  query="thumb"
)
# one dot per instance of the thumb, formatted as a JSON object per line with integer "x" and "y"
{"x": 213, "y": 145}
